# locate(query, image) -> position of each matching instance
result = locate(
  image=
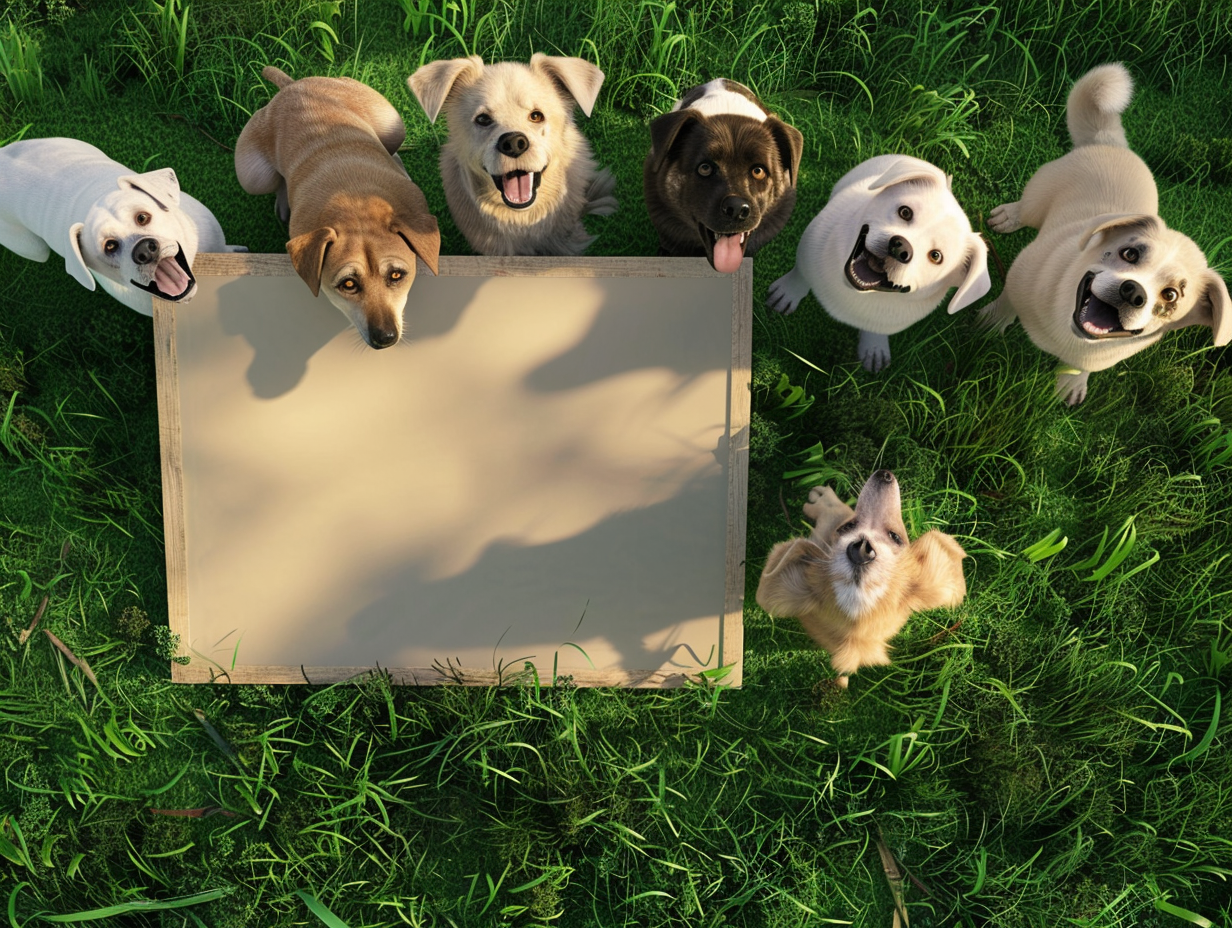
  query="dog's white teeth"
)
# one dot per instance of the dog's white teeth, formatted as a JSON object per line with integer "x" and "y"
{"x": 743, "y": 236}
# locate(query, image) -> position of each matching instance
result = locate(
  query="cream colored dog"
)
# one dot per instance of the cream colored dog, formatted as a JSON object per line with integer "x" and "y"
{"x": 856, "y": 579}
{"x": 1105, "y": 277}
{"x": 136, "y": 235}
{"x": 883, "y": 252}
{"x": 518, "y": 174}
{"x": 328, "y": 147}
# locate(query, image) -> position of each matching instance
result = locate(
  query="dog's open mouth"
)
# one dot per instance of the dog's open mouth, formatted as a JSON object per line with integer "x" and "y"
{"x": 173, "y": 279}
{"x": 1095, "y": 318}
{"x": 865, "y": 271}
{"x": 725, "y": 252}
{"x": 518, "y": 188}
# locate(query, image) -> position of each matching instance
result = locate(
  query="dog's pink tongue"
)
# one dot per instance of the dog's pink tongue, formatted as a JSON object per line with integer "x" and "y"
{"x": 170, "y": 278}
{"x": 518, "y": 186}
{"x": 727, "y": 254}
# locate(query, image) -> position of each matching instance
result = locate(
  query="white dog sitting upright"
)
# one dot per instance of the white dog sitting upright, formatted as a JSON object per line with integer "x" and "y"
{"x": 136, "y": 234}
{"x": 1105, "y": 277}
{"x": 883, "y": 252}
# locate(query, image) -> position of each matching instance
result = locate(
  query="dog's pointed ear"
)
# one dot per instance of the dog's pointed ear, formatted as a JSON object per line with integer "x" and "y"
{"x": 790, "y": 143}
{"x": 1214, "y": 308}
{"x": 162, "y": 186}
{"x": 74, "y": 262}
{"x": 422, "y": 235}
{"x": 665, "y": 130}
{"x": 940, "y": 581}
{"x": 905, "y": 169}
{"x": 432, "y": 83}
{"x": 1153, "y": 225}
{"x": 579, "y": 77}
{"x": 977, "y": 281}
{"x": 307, "y": 253}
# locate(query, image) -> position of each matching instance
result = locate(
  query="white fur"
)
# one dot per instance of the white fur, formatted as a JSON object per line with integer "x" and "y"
{"x": 66, "y": 196}
{"x": 717, "y": 100}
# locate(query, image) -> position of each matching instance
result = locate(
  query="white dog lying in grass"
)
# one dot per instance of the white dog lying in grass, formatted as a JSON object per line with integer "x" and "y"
{"x": 883, "y": 252}
{"x": 135, "y": 234}
{"x": 1105, "y": 277}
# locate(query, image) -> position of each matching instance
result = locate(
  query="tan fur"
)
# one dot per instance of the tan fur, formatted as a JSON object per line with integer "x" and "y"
{"x": 1092, "y": 207}
{"x": 508, "y": 94}
{"x": 328, "y": 147}
{"x": 801, "y": 576}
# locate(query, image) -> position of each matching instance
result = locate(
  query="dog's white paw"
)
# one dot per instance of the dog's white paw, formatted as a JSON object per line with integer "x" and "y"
{"x": 786, "y": 293}
{"x": 874, "y": 349}
{"x": 998, "y": 314}
{"x": 1006, "y": 218}
{"x": 821, "y": 501}
{"x": 1072, "y": 387}
{"x": 604, "y": 206}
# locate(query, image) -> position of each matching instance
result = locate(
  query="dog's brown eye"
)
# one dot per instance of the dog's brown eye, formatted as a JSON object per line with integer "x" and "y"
{"x": 846, "y": 527}
{"x": 348, "y": 285}
{"x": 894, "y": 538}
{"x": 1129, "y": 255}
{"x": 905, "y": 213}
{"x": 483, "y": 119}
{"x": 705, "y": 169}
{"x": 110, "y": 246}
{"x": 758, "y": 172}
{"x": 536, "y": 116}
{"x": 143, "y": 219}
{"x": 1169, "y": 295}
{"x": 395, "y": 275}
{"x": 935, "y": 256}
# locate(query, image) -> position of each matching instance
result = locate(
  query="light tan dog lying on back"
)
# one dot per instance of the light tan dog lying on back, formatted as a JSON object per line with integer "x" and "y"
{"x": 518, "y": 173}
{"x": 1105, "y": 277}
{"x": 856, "y": 579}
{"x": 328, "y": 147}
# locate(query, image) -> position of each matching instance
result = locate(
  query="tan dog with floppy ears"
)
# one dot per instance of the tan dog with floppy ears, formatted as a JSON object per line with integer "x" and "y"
{"x": 328, "y": 147}
{"x": 855, "y": 581}
{"x": 518, "y": 173}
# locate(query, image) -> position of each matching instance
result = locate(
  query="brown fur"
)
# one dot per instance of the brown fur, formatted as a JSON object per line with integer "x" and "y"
{"x": 680, "y": 200}
{"x": 327, "y": 146}
{"x": 799, "y": 577}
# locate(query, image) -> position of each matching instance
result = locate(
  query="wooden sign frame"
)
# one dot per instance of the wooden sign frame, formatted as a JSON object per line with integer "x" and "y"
{"x": 202, "y": 668}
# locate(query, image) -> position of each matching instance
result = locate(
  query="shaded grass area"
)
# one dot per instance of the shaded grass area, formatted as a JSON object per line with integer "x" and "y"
{"x": 1053, "y": 751}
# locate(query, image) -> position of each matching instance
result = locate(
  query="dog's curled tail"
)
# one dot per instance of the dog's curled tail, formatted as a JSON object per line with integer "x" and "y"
{"x": 1096, "y": 102}
{"x": 276, "y": 76}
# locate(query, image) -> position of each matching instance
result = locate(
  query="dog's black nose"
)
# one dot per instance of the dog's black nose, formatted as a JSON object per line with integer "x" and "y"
{"x": 885, "y": 476}
{"x": 861, "y": 552}
{"x": 900, "y": 249}
{"x": 736, "y": 208}
{"x": 381, "y": 336}
{"x": 512, "y": 144}
{"x": 145, "y": 251}
{"x": 1133, "y": 294}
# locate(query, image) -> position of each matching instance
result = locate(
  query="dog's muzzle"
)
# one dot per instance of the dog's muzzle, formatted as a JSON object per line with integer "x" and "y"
{"x": 861, "y": 553}
{"x": 173, "y": 278}
{"x": 1094, "y": 319}
{"x": 865, "y": 271}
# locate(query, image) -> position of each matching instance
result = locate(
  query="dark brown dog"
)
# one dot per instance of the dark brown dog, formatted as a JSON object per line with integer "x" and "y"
{"x": 720, "y": 179}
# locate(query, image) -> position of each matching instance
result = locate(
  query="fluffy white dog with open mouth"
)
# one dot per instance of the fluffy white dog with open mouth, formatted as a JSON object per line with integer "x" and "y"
{"x": 518, "y": 173}
{"x": 135, "y": 234}
{"x": 1105, "y": 278}
{"x": 883, "y": 252}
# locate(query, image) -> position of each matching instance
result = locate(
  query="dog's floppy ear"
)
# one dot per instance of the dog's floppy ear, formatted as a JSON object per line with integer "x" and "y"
{"x": 1214, "y": 308}
{"x": 976, "y": 282}
{"x": 784, "y": 589}
{"x": 432, "y": 83}
{"x": 577, "y": 75}
{"x": 904, "y": 170}
{"x": 162, "y": 186}
{"x": 940, "y": 581}
{"x": 74, "y": 262}
{"x": 422, "y": 236}
{"x": 1109, "y": 221}
{"x": 307, "y": 253}
{"x": 790, "y": 142}
{"x": 665, "y": 130}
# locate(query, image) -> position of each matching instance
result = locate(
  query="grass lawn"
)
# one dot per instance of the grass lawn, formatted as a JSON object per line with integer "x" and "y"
{"x": 1055, "y": 751}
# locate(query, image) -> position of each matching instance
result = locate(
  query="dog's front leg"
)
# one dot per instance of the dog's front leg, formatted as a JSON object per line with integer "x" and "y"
{"x": 874, "y": 351}
{"x": 1072, "y": 385}
{"x": 1006, "y": 218}
{"x": 998, "y": 314}
{"x": 786, "y": 293}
